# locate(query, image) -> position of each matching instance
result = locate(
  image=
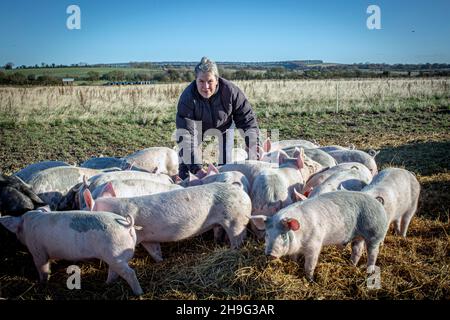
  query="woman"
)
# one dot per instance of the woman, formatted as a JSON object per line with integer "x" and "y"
{"x": 211, "y": 102}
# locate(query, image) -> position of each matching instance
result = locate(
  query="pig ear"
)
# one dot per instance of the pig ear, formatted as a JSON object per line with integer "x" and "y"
{"x": 212, "y": 170}
{"x": 108, "y": 191}
{"x": 11, "y": 223}
{"x": 177, "y": 179}
{"x": 88, "y": 199}
{"x": 291, "y": 224}
{"x": 259, "y": 221}
{"x": 192, "y": 177}
{"x": 298, "y": 196}
{"x": 300, "y": 155}
{"x": 261, "y": 152}
{"x": 282, "y": 157}
{"x": 267, "y": 145}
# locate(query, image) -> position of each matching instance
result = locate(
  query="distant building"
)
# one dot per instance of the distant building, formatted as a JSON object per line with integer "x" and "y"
{"x": 68, "y": 81}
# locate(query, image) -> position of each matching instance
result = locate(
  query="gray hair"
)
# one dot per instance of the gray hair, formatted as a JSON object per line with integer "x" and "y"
{"x": 207, "y": 65}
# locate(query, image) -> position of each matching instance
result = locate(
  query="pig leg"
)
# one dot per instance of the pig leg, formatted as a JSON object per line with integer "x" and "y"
{"x": 42, "y": 265}
{"x": 406, "y": 221}
{"x": 357, "y": 250}
{"x": 311, "y": 258}
{"x": 397, "y": 226}
{"x": 112, "y": 276}
{"x": 258, "y": 233}
{"x": 219, "y": 235}
{"x": 129, "y": 275}
{"x": 154, "y": 249}
{"x": 236, "y": 232}
{"x": 372, "y": 254}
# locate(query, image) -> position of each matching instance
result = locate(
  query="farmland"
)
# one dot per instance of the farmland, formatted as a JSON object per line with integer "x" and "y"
{"x": 408, "y": 120}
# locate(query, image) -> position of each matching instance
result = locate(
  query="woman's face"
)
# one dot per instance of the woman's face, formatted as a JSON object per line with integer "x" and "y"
{"x": 206, "y": 84}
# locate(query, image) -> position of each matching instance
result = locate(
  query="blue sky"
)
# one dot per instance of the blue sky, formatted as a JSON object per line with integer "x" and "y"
{"x": 32, "y": 32}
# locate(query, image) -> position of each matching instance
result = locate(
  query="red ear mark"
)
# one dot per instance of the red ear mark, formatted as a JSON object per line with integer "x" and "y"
{"x": 293, "y": 224}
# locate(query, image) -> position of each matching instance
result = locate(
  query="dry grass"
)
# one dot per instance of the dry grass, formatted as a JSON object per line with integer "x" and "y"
{"x": 153, "y": 101}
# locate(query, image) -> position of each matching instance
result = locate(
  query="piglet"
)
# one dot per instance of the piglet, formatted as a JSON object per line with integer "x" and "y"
{"x": 78, "y": 235}
{"x": 399, "y": 191}
{"x": 335, "y": 218}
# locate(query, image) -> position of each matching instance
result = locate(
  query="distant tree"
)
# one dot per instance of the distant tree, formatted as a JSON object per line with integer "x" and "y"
{"x": 9, "y": 66}
{"x": 115, "y": 75}
{"x": 93, "y": 75}
{"x": 17, "y": 78}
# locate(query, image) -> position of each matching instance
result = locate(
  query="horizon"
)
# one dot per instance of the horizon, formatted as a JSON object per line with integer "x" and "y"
{"x": 411, "y": 32}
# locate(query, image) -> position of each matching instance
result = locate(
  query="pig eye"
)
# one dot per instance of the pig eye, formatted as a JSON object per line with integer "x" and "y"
{"x": 285, "y": 238}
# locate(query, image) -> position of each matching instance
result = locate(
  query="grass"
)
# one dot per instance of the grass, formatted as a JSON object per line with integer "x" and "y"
{"x": 414, "y": 137}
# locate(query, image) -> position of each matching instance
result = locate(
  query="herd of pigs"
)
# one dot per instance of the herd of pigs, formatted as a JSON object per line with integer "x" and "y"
{"x": 299, "y": 196}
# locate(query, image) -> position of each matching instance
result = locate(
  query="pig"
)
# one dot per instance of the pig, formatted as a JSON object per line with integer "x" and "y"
{"x": 317, "y": 155}
{"x": 399, "y": 191}
{"x": 51, "y": 185}
{"x": 16, "y": 197}
{"x": 131, "y": 188}
{"x": 232, "y": 177}
{"x": 335, "y": 218}
{"x": 277, "y": 145}
{"x": 162, "y": 159}
{"x": 75, "y": 199}
{"x": 274, "y": 189}
{"x": 180, "y": 214}
{"x": 250, "y": 168}
{"x": 78, "y": 235}
{"x": 100, "y": 180}
{"x": 334, "y": 148}
{"x": 319, "y": 177}
{"x": 356, "y": 156}
{"x": 351, "y": 179}
{"x": 103, "y": 163}
{"x": 27, "y": 173}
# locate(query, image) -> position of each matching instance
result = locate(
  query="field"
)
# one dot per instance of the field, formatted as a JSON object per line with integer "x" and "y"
{"x": 407, "y": 120}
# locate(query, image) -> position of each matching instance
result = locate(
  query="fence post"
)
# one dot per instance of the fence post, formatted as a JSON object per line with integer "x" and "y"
{"x": 337, "y": 97}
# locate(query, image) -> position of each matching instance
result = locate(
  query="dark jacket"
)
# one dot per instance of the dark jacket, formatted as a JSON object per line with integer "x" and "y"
{"x": 228, "y": 104}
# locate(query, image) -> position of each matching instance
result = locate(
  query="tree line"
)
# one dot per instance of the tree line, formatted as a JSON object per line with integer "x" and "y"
{"x": 183, "y": 75}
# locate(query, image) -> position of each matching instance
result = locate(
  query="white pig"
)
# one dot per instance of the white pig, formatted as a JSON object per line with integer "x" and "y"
{"x": 356, "y": 156}
{"x": 163, "y": 159}
{"x": 335, "y": 218}
{"x": 351, "y": 179}
{"x": 78, "y": 235}
{"x": 28, "y": 172}
{"x": 399, "y": 191}
{"x": 180, "y": 214}
{"x": 319, "y": 177}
